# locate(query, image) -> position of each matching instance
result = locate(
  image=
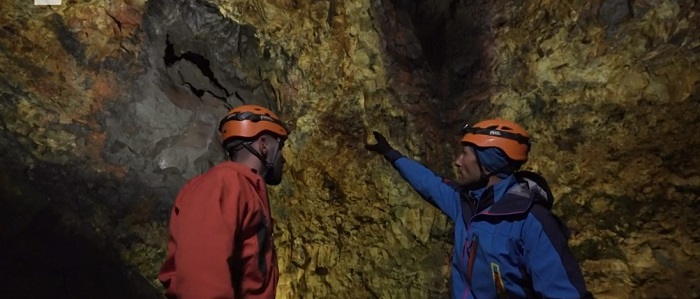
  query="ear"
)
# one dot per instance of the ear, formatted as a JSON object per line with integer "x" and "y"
{"x": 263, "y": 145}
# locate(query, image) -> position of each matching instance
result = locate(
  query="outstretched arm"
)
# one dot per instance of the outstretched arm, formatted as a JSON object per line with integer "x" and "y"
{"x": 430, "y": 186}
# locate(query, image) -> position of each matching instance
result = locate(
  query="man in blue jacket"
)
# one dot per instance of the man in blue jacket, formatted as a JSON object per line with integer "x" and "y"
{"x": 507, "y": 242}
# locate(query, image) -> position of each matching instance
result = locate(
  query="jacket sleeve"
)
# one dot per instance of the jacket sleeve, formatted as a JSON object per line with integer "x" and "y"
{"x": 206, "y": 225}
{"x": 430, "y": 186}
{"x": 554, "y": 271}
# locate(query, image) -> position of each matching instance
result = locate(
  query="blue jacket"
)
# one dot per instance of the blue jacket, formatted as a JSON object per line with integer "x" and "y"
{"x": 507, "y": 243}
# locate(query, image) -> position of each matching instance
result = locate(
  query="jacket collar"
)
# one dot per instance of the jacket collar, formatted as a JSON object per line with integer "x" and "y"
{"x": 251, "y": 176}
{"x": 496, "y": 191}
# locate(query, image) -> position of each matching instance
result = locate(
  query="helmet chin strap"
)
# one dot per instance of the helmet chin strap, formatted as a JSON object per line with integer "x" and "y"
{"x": 484, "y": 175}
{"x": 267, "y": 165}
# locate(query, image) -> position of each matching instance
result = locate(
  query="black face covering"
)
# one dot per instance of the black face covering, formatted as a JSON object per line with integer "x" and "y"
{"x": 273, "y": 173}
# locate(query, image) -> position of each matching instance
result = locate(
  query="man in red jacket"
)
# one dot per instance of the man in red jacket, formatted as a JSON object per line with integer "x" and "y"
{"x": 220, "y": 243}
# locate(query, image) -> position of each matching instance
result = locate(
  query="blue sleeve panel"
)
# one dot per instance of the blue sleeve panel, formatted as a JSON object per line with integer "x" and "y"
{"x": 430, "y": 186}
{"x": 554, "y": 271}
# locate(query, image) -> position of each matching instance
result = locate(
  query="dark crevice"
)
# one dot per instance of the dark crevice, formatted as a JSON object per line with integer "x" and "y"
{"x": 67, "y": 38}
{"x": 119, "y": 24}
{"x": 202, "y": 63}
{"x": 169, "y": 58}
{"x": 196, "y": 91}
{"x": 331, "y": 13}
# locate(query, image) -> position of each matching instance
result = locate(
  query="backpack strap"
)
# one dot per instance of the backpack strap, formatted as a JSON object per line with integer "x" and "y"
{"x": 540, "y": 202}
{"x": 538, "y": 208}
{"x": 542, "y": 182}
{"x": 541, "y": 208}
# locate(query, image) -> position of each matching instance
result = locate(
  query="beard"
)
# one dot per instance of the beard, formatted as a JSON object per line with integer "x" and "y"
{"x": 476, "y": 185}
{"x": 273, "y": 175}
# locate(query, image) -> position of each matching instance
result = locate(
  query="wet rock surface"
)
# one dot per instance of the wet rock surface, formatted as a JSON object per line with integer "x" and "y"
{"x": 107, "y": 108}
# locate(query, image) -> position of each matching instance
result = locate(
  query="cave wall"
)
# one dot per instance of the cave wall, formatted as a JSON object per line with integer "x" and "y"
{"x": 609, "y": 87}
{"x": 108, "y": 107}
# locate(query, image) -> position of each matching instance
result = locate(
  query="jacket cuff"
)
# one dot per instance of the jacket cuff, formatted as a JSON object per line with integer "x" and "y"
{"x": 392, "y": 155}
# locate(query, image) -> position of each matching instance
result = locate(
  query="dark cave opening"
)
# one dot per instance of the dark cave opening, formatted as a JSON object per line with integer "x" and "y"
{"x": 41, "y": 256}
{"x": 454, "y": 38}
{"x": 453, "y": 63}
{"x": 429, "y": 24}
{"x": 46, "y": 260}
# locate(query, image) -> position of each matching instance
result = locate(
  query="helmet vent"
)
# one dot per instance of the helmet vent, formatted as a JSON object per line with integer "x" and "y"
{"x": 506, "y": 128}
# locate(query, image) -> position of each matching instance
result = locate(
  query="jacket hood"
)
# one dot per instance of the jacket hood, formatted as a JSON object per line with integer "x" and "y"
{"x": 531, "y": 188}
{"x": 534, "y": 186}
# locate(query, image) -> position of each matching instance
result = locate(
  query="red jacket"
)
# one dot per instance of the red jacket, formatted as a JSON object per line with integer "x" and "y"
{"x": 220, "y": 243}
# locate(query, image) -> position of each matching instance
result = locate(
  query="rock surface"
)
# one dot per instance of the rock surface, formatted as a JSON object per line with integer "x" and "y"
{"x": 108, "y": 107}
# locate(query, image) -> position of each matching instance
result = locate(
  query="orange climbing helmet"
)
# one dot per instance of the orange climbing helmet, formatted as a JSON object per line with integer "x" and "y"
{"x": 248, "y": 121}
{"x": 508, "y": 136}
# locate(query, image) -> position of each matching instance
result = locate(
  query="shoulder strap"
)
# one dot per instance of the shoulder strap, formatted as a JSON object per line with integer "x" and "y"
{"x": 542, "y": 182}
{"x": 538, "y": 205}
{"x": 544, "y": 202}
